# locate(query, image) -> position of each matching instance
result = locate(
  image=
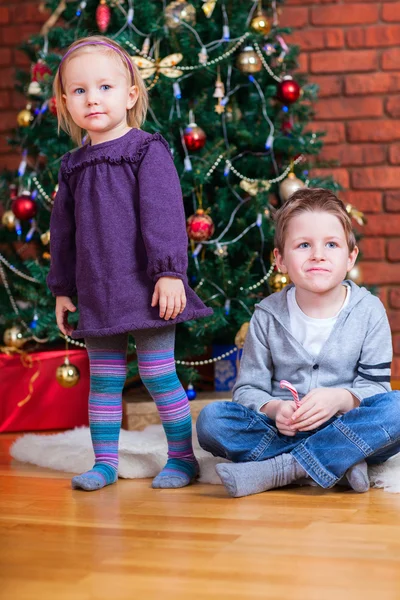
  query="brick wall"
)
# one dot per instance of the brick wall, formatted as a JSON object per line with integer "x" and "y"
{"x": 350, "y": 49}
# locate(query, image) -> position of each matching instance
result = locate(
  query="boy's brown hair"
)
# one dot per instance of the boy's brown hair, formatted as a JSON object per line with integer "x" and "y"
{"x": 312, "y": 200}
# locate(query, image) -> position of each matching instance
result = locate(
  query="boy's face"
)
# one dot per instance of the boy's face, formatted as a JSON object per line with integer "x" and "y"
{"x": 316, "y": 255}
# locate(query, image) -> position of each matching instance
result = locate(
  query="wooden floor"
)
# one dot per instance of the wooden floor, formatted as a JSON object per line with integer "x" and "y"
{"x": 131, "y": 542}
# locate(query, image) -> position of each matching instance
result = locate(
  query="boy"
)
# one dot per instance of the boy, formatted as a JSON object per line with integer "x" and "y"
{"x": 331, "y": 340}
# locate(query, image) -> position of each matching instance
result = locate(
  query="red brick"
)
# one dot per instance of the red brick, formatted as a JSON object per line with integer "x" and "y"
{"x": 396, "y": 343}
{"x": 16, "y": 33}
{"x": 393, "y": 251}
{"x": 375, "y": 178}
{"x": 329, "y": 85}
{"x": 5, "y": 100}
{"x": 302, "y": 63}
{"x": 11, "y": 161}
{"x": 355, "y": 154}
{"x": 317, "y": 39}
{"x": 344, "y": 61}
{"x": 373, "y": 37}
{"x": 382, "y": 273}
{"x": 383, "y": 225}
{"x": 334, "y": 132}
{"x": 391, "y": 12}
{"x": 22, "y": 60}
{"x": 394, "y": 320}
{"x": 340, "y": 175}
{"x": 8, "y": 120}
{"x": 392, "y": 202}
{"x": 28, "y": 14}
{"x": 390, "y": 59}
{"x": 348, "y": 108}
{"x": 368, "y": 202}
{"x": 372, "y": 249}
{"x": 393, "y": 106}
{"x": 394, "y": 298}
{"x": 5, "y": 57}
{"x": 344, "y": 15}
{"x": 373, "y": 83}
{"x": 394, "y": 154}
{"x": 373, "y": 131}
{"x": 7, "y": 78}
{"x": 303, "y": 2}
{"x": 4, "y": 15}
{"x": 294, "y": 17}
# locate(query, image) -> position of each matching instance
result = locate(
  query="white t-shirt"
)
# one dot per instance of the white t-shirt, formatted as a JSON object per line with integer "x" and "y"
{"x": 311, "y": 333}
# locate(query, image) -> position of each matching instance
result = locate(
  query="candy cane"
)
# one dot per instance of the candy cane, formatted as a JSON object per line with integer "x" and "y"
{"x": 292, "y": 390}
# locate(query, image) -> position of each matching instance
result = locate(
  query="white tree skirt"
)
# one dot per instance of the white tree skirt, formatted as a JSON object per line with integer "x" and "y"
{"x": 143, "y": 454}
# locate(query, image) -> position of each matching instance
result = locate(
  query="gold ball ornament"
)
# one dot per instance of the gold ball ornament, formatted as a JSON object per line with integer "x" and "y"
{"x": 179, "y": 11}
{"x": 290, "y": 185}
{"x": 25, "y": 117}
{"x": 278, "y": 281}
{"x": 8, "y": 220}
{"x": 67, "y": 374}
{"x": 260, "y": 23}
{"x": 13, "y": 337}
{"x": 248, "y": 61}
{"x": 355, "y": 274}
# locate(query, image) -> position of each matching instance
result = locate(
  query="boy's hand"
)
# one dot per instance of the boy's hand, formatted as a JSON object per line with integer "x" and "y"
{"x": 283, "y": 417}
{"x": 63, "y": 306}
{"x": 319, "y": 405}
{"x": 170, "y": 294}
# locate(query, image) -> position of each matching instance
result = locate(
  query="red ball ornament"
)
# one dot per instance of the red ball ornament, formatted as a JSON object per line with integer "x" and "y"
{"x": 23, "y": 207}
{"x": 194, "y": 137}
{"x": 40, "y": 70}
{"x": 53, "y": 105}
{"x": 200, "y": 226}
{"x": 103, "y": 16}
{"x": 287, "y": 126}
{"x": 288, "y": 90}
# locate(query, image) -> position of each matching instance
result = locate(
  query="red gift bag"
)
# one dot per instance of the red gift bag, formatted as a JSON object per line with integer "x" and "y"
{"x": 50, "y": 406}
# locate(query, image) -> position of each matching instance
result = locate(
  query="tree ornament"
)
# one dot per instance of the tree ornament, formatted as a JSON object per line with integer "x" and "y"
{"x": 165, "y": 66}
{"x": 260, "y": 22}
{"x": 278, "y": 281}
{"x": 34, "y": 89}
{"x": 13, "y": 337}
{"x": 103, "y": 16}
{"x": 179, "y": 11}
{"x": 194, "y": 136}
{"x": 288, "y": 90}
{"x": 290, "y": 185}
{"x": 40, "y": 71}
{"x": 23, "y": 207}
{"x": 248, "y": 61}
{"x": 200, "y": 226}
{"x": 25, "y": 116}
{"x": 356, "y": 214}
{"x": 53, "y": 106}
{"x": 219, "y": 93}
{"x": 287, "y": 126}
{"x": 356, "y": 274}
{"x": 191, "y": 392}
{"x": 45, "y": 238}
{"x": 67, "y": 374}
{"x": 240, "y": 337}
{"x": 208, "y": 7}
{"x": 8, "y": 220}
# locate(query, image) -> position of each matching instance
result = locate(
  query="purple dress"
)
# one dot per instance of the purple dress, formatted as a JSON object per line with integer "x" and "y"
{"x": 117, "y": 226}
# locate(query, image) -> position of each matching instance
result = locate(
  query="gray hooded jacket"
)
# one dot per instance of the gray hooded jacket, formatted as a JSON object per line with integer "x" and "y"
{"x": 357, "y": 355}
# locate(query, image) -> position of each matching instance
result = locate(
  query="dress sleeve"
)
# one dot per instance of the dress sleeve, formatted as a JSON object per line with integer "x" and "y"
{"x": 162, "y": 215}
{"x": 61, "y": 277}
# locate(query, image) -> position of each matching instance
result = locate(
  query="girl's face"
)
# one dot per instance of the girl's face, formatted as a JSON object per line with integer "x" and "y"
{"x": 98, "y": 92}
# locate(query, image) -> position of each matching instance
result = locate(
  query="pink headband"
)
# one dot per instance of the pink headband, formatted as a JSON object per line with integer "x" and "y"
{"x": 95, "y": 43}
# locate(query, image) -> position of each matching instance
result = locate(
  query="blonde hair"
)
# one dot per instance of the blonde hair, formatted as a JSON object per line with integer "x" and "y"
{"x": 135, "y": 115}
{"x": 312, "y": 200}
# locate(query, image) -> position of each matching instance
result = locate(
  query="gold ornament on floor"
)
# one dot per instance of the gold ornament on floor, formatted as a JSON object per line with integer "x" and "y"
{"x": 13, "y": 337}
{"x": 25, "y": 116}
{"x": 278, "y": 281}
{"x": 248, "y": 61}
{"x": 260, "y": 22}
{"x": 179, "y": 11}
{"x": 290, "y": 185}
{"x": 356, "y": 214}
{"x": 67, "y": 374}
{"x": 8, "y": 220}
{"x": 355, "y": 274}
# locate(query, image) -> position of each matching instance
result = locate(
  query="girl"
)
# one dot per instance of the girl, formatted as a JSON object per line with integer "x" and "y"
{"x": 118, "y": 242}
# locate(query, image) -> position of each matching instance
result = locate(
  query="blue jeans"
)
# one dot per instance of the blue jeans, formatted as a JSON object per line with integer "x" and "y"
{"x": 370, "y": 432}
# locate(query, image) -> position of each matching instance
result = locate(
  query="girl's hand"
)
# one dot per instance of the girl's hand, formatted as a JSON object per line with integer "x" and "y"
{"x": 283, "y": 417}
{"x": 63, "y": 306}
{"x": 170, "y": 294}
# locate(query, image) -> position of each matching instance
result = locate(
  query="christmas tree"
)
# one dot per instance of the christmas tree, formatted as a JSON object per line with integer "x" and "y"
{"x": 224, "y": 93}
